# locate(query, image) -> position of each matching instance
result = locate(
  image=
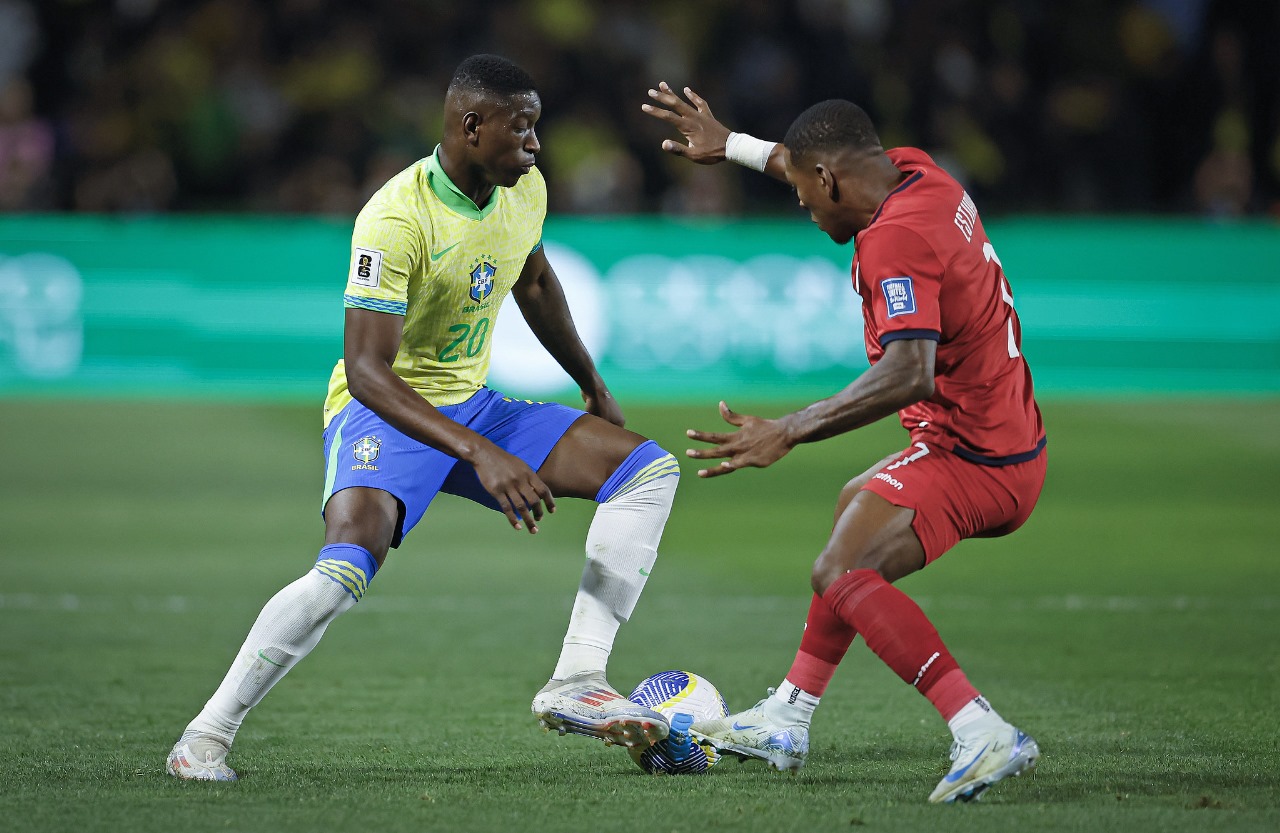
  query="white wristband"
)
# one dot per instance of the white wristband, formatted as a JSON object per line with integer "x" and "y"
{"x": 748, "y": 151}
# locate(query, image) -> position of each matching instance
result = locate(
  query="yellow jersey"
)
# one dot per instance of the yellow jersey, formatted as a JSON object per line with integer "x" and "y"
{"x": 422, "y": 249}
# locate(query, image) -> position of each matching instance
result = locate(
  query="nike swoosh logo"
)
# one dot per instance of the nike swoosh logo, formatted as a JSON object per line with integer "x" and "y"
{"x": 952, "y": 777}
{"x": 644, "y": 572}
{"x": 443, "y": 252}
{"x": 740, "y": 727}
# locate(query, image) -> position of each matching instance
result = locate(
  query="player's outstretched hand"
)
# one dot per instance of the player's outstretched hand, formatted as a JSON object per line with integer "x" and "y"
{"x": 757, "y": 443}
{"x": 520, "y": 493}
{"x": 602, "y": 404}
{"x": 705, "y": 135}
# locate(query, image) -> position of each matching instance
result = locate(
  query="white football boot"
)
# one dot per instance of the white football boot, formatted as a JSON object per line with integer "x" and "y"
{"x": 984, "y": 758}
{"x": 754, "y": 733}
{"x": 200, "y": 757}
{"x": 585, "y": 704}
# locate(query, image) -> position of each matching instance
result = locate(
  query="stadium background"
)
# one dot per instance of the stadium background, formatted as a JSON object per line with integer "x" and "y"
{"x": 178, "y": 181}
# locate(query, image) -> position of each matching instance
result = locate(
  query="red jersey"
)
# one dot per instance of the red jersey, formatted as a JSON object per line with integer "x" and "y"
{"x": 925, "y": 269}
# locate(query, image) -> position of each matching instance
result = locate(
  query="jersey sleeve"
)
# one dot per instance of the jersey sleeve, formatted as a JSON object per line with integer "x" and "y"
{"x": 385, "y": 249}
{"x": 904, "y": 279}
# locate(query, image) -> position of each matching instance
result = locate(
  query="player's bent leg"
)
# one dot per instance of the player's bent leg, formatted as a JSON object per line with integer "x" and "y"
{"x": 776, "y": 729}
{"x": 880, "y": 543}
{"x": 871, "y": 533}
{"x": 634, "y": 487}
{"x": 826, "y": 638}
{"x": 288, "y": 628}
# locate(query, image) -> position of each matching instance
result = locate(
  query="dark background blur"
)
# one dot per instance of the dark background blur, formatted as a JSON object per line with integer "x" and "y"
{"x": 309, "y": 105}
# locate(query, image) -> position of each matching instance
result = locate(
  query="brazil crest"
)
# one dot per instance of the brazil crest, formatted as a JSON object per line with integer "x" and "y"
{"x": 482, "y": 276}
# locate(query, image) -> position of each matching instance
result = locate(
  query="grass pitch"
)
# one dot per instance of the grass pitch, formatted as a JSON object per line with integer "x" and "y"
{"x": 1130, "y": 626}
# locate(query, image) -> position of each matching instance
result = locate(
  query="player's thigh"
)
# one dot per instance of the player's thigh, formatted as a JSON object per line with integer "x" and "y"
{"x": 952, "y": 498}
{"x": 378, "y": 481}
{"x": 585, "y": 457}
{"x": 855, "y": 485}
{"x": 572, "y": 451}
{"x": 365, "y": 517}
{"x": 871, "y": 534}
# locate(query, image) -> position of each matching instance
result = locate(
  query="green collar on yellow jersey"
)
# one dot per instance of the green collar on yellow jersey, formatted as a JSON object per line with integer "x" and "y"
{"x": 449, "y": 194}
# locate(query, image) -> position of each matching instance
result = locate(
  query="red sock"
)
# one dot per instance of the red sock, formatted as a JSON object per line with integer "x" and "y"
{"x": 825, "y": 641}
{"x": 897, "y": 630}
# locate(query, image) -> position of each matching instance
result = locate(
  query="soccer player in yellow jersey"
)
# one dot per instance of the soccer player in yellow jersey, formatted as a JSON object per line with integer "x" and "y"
{"x": 434, "y": 254}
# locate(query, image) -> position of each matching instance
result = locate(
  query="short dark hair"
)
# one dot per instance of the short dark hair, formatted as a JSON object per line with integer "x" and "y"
{"x": 831, "y": 125}
{"x": 491, "y": 74}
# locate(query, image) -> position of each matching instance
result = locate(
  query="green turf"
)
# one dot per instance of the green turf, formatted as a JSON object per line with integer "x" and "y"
{"x": 1131, "y": 626}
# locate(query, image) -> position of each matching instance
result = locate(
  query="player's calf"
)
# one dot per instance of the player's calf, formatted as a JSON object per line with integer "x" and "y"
{"x": 286, "y": 630}
{"x": 622, "y": 547}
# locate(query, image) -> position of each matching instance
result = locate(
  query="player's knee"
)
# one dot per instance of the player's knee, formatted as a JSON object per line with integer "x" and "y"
{"x": 649, "y": 475}
{"x": 367, "y": 518}
{"x": 832, "y": 564}
{"x": 349, "y": 566}
{"x": 822, "y": 577}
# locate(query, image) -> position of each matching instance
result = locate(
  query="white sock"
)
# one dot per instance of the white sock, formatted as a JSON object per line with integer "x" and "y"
{"x": 288, "y": 627}
{"x": 976, "y": 715}
{"x": 791, "y": 704}
{"x": 622, "y": 546}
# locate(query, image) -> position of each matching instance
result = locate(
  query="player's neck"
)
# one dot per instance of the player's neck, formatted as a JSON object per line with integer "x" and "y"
{"x": 879, "y": 181}
{"x": 467, "y": 179}
{"x": 886, "y": 177}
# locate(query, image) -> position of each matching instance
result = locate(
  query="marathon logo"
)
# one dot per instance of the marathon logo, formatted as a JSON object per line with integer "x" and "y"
{"x": 890, "y": 479}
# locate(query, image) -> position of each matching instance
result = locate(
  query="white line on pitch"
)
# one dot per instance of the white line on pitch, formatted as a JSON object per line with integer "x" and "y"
{"x": 454, "y": 603}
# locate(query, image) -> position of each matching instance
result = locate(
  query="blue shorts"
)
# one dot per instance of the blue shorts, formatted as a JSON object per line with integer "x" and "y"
{"x": 360, "y": 449}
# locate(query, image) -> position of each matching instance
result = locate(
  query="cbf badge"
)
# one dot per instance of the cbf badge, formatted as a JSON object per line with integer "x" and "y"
{"x": 899, "y": 297}
{"x": 482, "y": 280}
{"x": 366, "y": 451}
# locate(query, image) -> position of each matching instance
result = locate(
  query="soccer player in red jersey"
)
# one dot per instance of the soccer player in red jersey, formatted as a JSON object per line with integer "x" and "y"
{"x": 944, "y": 344}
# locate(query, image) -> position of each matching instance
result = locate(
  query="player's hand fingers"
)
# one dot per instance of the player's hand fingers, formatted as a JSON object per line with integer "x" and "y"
{"x": 726, "y": 467}
{"x": 708, "y": 453}
{"x": 699, "y": 104}
{"x": 707, "y": 436}
{"x": 538, "y": 497}
{"x": 534, "y": 504}
{"x": 664, "y": 115}
{"x": 527, "y": 514}
{"x": 675, "y": 148}
{"x": 670, "y": 98}
{"x": 505, "y": 506}
{"x": 544, "y": 492}
{"x": 730, "y": 416}
{"x": 671, "y": 101}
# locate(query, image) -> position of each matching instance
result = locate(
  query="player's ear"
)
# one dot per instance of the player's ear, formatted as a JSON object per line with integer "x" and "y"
{"x": 827, "y": 178}
{"x": 471, "y": 127}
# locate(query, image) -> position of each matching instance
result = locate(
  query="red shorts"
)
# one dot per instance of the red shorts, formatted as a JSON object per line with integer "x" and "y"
{"x": 955, "y": 499}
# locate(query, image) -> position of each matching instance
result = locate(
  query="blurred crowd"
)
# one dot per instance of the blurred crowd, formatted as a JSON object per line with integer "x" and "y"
{"x": 309, "y": 105}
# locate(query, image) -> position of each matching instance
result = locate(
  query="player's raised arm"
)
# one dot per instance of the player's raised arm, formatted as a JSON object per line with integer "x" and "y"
{"x": 709, "y": 141}
{"x": 541, "y": 300}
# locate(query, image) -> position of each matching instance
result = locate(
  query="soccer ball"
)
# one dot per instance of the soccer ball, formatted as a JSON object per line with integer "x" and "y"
{"x": 678, "y": 692}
